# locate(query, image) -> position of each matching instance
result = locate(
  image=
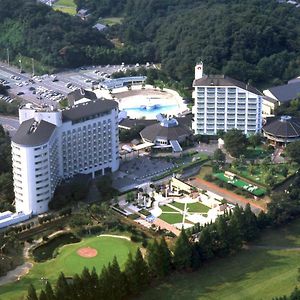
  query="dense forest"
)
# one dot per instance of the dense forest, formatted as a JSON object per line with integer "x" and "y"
{"x": 255, "y": 41}
{"x": 32, "y": 30}
{"x": 6, "y": 180}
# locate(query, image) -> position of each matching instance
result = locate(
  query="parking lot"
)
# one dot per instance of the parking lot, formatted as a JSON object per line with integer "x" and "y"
{"x": 50, "y": 88}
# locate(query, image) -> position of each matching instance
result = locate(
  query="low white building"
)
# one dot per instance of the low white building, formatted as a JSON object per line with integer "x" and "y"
{"x": 51, "y": 145}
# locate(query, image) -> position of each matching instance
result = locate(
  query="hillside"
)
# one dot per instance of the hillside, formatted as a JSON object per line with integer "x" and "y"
{"x": 255, "y": 40}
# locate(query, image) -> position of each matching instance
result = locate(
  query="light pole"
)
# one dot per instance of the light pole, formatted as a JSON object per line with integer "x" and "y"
{"x": 20, "y": 62}
{"x": 7, "y": 52}
{"x": 32, "y": 61}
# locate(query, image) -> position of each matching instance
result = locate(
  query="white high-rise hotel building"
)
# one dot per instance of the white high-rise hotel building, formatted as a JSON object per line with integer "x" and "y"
{"x": 223, "y": 103}
{"x": 52, "y": 145}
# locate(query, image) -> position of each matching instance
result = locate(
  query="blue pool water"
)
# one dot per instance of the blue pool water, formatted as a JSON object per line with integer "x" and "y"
{"x": 151, "y": 111}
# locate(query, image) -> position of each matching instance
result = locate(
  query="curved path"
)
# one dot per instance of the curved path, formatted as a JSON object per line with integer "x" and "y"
{"x": 116, "y": 236}
{"x": 16, "y": 274}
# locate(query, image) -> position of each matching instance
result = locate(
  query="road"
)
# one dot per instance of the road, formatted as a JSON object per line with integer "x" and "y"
{"x": 11, "y": 124}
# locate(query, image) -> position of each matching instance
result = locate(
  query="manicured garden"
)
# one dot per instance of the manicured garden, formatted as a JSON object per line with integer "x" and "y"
{"x": 171, "y": 218}
{"x": 69, "y": 262}
{"x": 257, "y": 153}
{"x": 241, "y": 184}
{"x": 266, "y": 173}
{"x": 196, "y": 207}
{"x": 255, "y": 273}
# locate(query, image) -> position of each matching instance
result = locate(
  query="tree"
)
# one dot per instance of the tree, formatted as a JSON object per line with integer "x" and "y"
{"x": 182, "y": 252}
{"x": 219, "y": 157}
{"x": 250, "y": 224}
{"x": 166, "y": 257}
{"x": 43, "y": 296}
{"x": 141, "y": 270}
{"x": 235, "y": 142}
{"x": 154, "y": 259}
{"x": 116, "y": 279}
{"x": 254, "y": 140}
{"x": 31, "y": 293}
{"x": 292, "y": 151}
{"x": 49, "y": 291}
{"x": 131, "y": 276}
{"x": 62, "y": 290}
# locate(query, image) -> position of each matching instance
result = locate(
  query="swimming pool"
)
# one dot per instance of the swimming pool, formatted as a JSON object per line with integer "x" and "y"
{"x": 142, "y": 106}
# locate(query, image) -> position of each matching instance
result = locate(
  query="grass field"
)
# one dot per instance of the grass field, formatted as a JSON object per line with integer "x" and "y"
{"x": 251, "y": 274}
{"x": 111, "y": 21}
{"x": 66, "y": 6}
{"x": 70, "y": 263}
{"x": 196, "y": 207}
{"x": 171, "y": 218}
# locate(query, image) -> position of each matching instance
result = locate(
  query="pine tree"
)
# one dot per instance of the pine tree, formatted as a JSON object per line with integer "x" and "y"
{"x": 196, "y": 259}
{"x": 222, "y": 243}
{"x": 204, "y": 245}
{"x": 77, "y": 288}
{"x": 251, "y": 230}
{"x": 165, "y": 257}
{"x": 263, "y": 220}
{"x": 62, "y": 290}
{"x": 103, "y": 291}
{"x": 154, "y": 259}
{"x": 94, "y": 284}
{"x": 182, "y": 252}
{"x": 117, "y": 281}
{"x": 31, "y": 293}
{"x": 130, "y": 274}
{"x": 43, "y": 296}
{"x": 141, "y": 271}
{"x": 86, "y": 281}
{"x": 49, "y": 291}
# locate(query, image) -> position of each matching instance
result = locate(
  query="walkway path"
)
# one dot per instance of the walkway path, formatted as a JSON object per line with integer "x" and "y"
{"x": 164, "y": 225}
{"x": 116, "y": 236}
{"x": 228, "y": 195}
{"x": 18, "y": 272}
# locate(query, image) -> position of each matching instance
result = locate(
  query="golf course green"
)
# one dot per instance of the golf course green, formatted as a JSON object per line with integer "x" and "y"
{"x": 69, "y": 262}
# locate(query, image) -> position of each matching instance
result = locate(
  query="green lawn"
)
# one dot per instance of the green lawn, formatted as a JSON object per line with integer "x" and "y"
{"x": 166, "y": 208}
{"x": 171, "y": 218}
{"x": 111, "y": 21}
{"x": 66, "y": 6}
{"x": 240, "y": 184}
{"x": 251, "y": 274}
{"x": 70, "y": 263}
{"x": 178, "y": 205}
{"x": 196, "y": 207}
